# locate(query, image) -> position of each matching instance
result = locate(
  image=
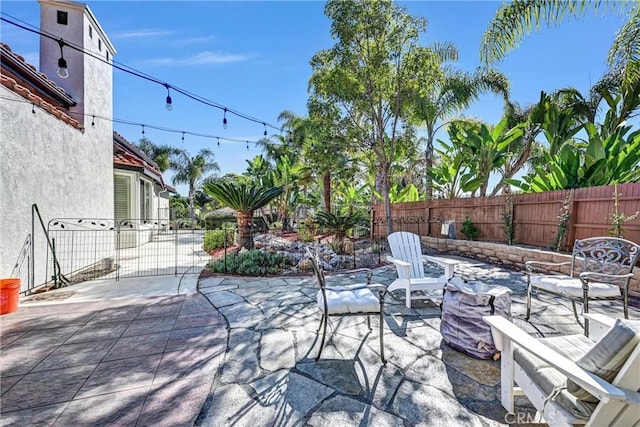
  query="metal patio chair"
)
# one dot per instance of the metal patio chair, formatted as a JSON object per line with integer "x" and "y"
{"x": 348, "y": 300}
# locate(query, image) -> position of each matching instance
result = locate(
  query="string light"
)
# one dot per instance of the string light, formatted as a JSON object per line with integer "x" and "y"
{"x": 265, "y": 128}
{"x": 63, "y": 72}
{"x": 169, "y": 104}
{"x": 183, "y": 137}
{"x": 161, "y": 128}
{"x": 129, "y": 70}
{"x": 224, "y": 119}
{"x": 93, "y": 120}
{"x": 247, "y": 145}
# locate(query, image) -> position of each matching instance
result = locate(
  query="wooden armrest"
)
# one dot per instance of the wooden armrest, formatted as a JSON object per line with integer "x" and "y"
{"x": 446, "y": 263}
{"x": 590, "y": 382}
{"x": 398, "y": 262}
{"x": 540, "y": 265}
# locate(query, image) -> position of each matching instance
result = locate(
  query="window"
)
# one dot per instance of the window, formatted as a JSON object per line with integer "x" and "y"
{"x": 100, "y": 45}
{"x": 122, "y": 197}
{"x": 62, "y": 17}
{"x": 145, "y": 200}
{"x": 90, "y": 32}
{"x": 107, "y": 55}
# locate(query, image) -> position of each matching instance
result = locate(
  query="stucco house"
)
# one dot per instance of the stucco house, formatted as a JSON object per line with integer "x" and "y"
{"x": 140, "y": 193}
{"x": 57, "y": 150}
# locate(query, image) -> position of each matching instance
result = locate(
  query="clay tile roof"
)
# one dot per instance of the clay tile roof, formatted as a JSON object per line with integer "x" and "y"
{"x": 23, "y": 79}
{"x": 127, "y": 155}
{"x": 56, "y": 111}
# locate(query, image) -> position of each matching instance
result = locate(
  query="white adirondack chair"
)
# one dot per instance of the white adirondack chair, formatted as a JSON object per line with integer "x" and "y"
{"x": 574, "y": 379}
{"x": 409, "y": 261}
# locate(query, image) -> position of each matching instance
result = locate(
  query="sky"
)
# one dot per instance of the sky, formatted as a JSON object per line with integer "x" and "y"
{"x": 253, "y": 57}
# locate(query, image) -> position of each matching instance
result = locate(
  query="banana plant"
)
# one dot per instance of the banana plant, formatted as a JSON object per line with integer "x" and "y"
{"x": 603, "y": 161}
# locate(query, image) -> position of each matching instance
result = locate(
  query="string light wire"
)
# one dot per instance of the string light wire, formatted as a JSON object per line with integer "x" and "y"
{"x": 132, "y": 71}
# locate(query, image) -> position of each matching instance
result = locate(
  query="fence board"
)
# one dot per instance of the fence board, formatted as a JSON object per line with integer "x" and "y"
{"x": 535, "y": 216}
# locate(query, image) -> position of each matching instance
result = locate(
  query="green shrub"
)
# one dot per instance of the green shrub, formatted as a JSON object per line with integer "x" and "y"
{"x": 305, "y": 234}
{"x": 469, "y": 229}
{"x": 217, "y": 239}
{"x": 251, "y": 263}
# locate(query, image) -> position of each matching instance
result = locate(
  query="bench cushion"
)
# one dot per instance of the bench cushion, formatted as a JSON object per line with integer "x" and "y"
{"x": 608, "y": 354}
{"x": 549, "y": 379}
{"x": 349, "y": 299}
{"x": 569, "y": 286}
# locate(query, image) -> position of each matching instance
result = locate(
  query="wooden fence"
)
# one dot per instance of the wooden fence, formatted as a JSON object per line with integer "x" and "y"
{"x": 535, "y": 217}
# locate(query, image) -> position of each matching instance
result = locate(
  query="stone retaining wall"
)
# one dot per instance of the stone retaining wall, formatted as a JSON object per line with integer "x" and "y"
{"x": 513, "y": 256}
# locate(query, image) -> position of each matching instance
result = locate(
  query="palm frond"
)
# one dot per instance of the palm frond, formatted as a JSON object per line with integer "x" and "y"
{"x": 517, "y": 19}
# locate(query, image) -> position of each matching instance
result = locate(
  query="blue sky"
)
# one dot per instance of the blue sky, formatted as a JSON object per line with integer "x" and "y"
{"x": 253, "y": 57}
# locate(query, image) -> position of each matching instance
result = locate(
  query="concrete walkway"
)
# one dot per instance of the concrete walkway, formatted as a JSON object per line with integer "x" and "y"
{"x": 80, "y": 356}
{"x": 154, "y": 352}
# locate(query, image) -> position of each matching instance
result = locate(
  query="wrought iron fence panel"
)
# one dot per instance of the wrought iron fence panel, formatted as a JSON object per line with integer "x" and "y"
{"x": 90, "y": 248}
{"x": 84, "y": 247}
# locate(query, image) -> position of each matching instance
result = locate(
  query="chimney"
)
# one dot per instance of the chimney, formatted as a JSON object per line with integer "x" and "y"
{"x": 90, "y": 78}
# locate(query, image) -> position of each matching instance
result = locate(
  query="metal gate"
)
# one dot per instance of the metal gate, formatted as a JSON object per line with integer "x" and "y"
{"x": 90, "y": 248}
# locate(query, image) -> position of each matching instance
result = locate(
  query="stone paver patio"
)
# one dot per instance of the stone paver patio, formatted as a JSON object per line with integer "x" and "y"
{"x": 241, "y": 353}
{"x": 269, "y": 375}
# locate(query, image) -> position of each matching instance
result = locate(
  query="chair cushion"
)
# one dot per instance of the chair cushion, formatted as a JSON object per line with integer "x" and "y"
{"x": 548, "y": 378}
{"x": 569, "y": 286}
{"x": 608, "y": 354}
{"x": 349, "y": 299}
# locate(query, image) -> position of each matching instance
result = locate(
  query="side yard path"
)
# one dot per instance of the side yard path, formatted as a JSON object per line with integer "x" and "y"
{"x": 139, "y": 361}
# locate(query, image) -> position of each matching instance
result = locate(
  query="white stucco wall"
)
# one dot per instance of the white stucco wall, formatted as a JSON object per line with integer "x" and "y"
{"x": 67, "y": 172}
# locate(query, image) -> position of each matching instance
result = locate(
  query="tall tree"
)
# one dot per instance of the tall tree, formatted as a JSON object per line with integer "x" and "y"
{"x": 370, "y": 73}
{"x": 193, "y": 171}
{"x": 161, "y": 154}
{"x": 452, "y": 92}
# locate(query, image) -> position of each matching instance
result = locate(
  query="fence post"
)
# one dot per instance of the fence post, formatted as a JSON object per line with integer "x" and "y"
{"x": 225, "y": 249}
{"x": 175, "y": 240}
{"x": 572, "y": 222}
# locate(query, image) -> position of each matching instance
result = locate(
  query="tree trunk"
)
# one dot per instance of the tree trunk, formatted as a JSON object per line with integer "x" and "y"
{"x": 384, "y": 191}
{"x": 326, "y": 190}
{"x": 245, "y": 239}
{"x": 428, "y": 164}
{"x": 191, "y": 213}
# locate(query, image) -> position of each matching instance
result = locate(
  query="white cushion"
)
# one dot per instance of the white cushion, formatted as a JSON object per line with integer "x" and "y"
{"x": 349, "y": 299}
{"x": 569, "y": 286}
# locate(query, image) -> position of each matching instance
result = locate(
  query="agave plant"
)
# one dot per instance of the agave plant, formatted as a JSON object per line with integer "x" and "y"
{"x": 245, "y": 198}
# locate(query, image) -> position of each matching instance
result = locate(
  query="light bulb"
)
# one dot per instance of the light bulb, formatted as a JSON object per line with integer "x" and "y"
{"x": 63, "y": 72}
{"x": 224, "y": 123}
{"x": 169, "y": 105}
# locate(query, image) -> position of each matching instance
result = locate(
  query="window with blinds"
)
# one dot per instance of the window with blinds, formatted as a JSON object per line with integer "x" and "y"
{"x": 145, "y": 200}
{"x": 122, "y": 197}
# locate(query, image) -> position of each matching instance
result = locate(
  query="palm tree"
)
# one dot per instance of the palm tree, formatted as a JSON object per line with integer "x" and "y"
{"x": 516, "y": 19}
{"x": 193, "y": 171}
{"x": 245, "y": 198}
{"x": 161, "y": 154}
{"x": 452, "y": 92}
